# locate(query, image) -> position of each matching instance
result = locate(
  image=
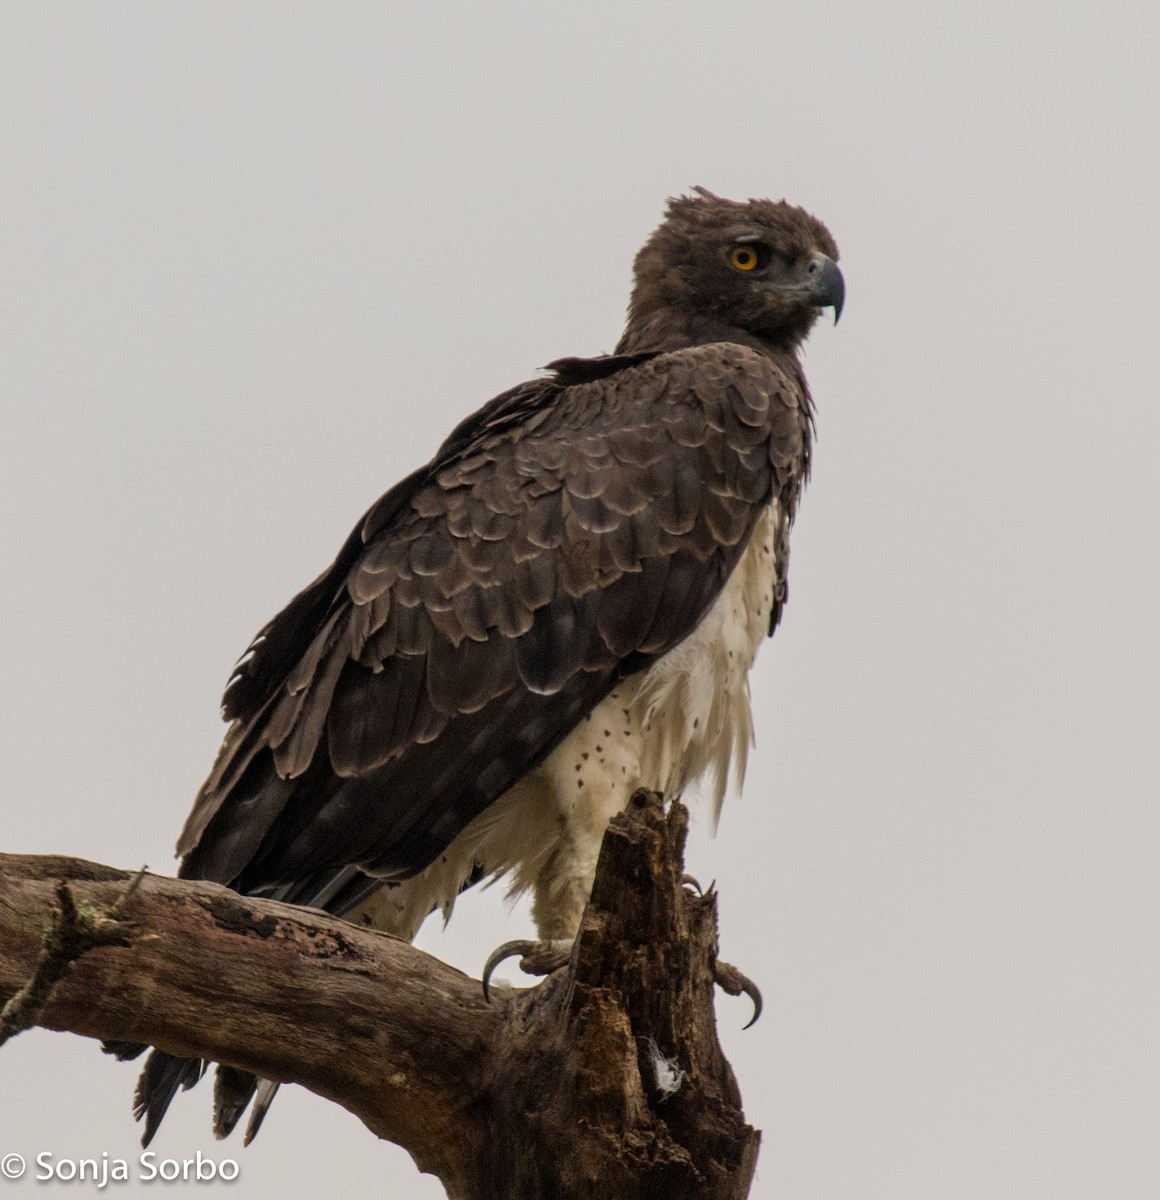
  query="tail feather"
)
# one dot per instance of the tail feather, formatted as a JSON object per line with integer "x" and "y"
{"x": 232, "y": 1091}
{"x": 124, "y": 1051}
{"x": 166, "y": 1074}
{"x": 267, "y": 1090}
{"x": 163, "y": 1075}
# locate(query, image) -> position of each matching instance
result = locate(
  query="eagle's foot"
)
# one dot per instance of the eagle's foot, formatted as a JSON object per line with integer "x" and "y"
{"x": 536, "y": 958}
{"x": 729, "y": 979}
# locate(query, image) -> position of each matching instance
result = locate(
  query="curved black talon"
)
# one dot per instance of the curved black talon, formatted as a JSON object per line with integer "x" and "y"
{"x": 507, "y": 950}
{"x": 536, "y": 958}
{"x": 691, "y": 881}
{"x": 730, "y": 980}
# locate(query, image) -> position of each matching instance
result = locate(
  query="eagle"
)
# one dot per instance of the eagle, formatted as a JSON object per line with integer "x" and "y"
{"x": 561, "y": 607}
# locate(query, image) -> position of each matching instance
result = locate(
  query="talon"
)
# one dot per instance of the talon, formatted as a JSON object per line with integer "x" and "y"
{"x": 536, "y": 958}
{"x": 730, "y": 980}
{"x": 507, "y": 950}
{"x": 690, "y": 881}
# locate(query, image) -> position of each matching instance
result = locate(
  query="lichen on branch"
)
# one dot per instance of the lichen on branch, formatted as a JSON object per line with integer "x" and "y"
{"x": 71, "y": 932}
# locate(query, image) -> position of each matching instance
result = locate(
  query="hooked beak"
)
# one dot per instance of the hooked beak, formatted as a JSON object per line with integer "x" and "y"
{"x": 825, "y": 286}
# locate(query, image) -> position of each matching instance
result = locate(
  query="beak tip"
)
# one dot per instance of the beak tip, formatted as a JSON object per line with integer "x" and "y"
{"x": 829, "y": 287}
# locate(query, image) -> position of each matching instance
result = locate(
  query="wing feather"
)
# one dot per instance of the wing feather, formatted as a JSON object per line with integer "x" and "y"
{"x": 571, "y": 532}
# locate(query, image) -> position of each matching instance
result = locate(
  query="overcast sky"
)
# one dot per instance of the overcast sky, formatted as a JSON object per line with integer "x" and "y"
{"x": 256, "y": 259}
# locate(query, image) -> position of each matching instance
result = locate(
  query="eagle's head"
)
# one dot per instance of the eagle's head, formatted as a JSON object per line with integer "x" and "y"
{"x": 716, "y": 269}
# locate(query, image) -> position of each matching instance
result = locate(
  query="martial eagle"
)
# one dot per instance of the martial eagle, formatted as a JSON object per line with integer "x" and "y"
{"x": 563, "y": 605}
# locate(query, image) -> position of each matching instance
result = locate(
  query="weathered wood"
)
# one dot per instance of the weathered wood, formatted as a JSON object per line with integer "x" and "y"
{"x": 548, "y": 1091}
{"x": 72, "y": 932}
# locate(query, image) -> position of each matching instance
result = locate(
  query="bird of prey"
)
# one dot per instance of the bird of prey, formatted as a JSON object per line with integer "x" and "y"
{"x": 561, "y": 607}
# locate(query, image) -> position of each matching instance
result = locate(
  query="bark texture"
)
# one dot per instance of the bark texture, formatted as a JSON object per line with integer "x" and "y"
{"x": 549, "y": 1091}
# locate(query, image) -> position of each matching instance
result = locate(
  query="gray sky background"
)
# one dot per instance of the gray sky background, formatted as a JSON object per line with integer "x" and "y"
{"x": 256, "y": 259}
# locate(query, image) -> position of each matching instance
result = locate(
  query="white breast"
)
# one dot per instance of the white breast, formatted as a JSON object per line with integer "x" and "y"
{"x": 694, "y": 708}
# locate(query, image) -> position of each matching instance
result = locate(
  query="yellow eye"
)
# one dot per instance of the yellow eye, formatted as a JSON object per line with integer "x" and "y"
{"x": 744, "y": 258}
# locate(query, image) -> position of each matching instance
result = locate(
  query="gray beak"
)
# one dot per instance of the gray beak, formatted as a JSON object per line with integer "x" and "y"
{"x": 826, "y": 287}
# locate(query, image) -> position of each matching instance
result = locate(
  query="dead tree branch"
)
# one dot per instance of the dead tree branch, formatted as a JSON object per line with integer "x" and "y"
{"x": 605, "y": 1080}
{"x": 70, "y": 933}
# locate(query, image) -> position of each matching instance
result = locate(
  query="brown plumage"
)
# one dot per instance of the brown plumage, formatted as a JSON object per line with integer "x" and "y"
{"x": 562, "y": 543}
